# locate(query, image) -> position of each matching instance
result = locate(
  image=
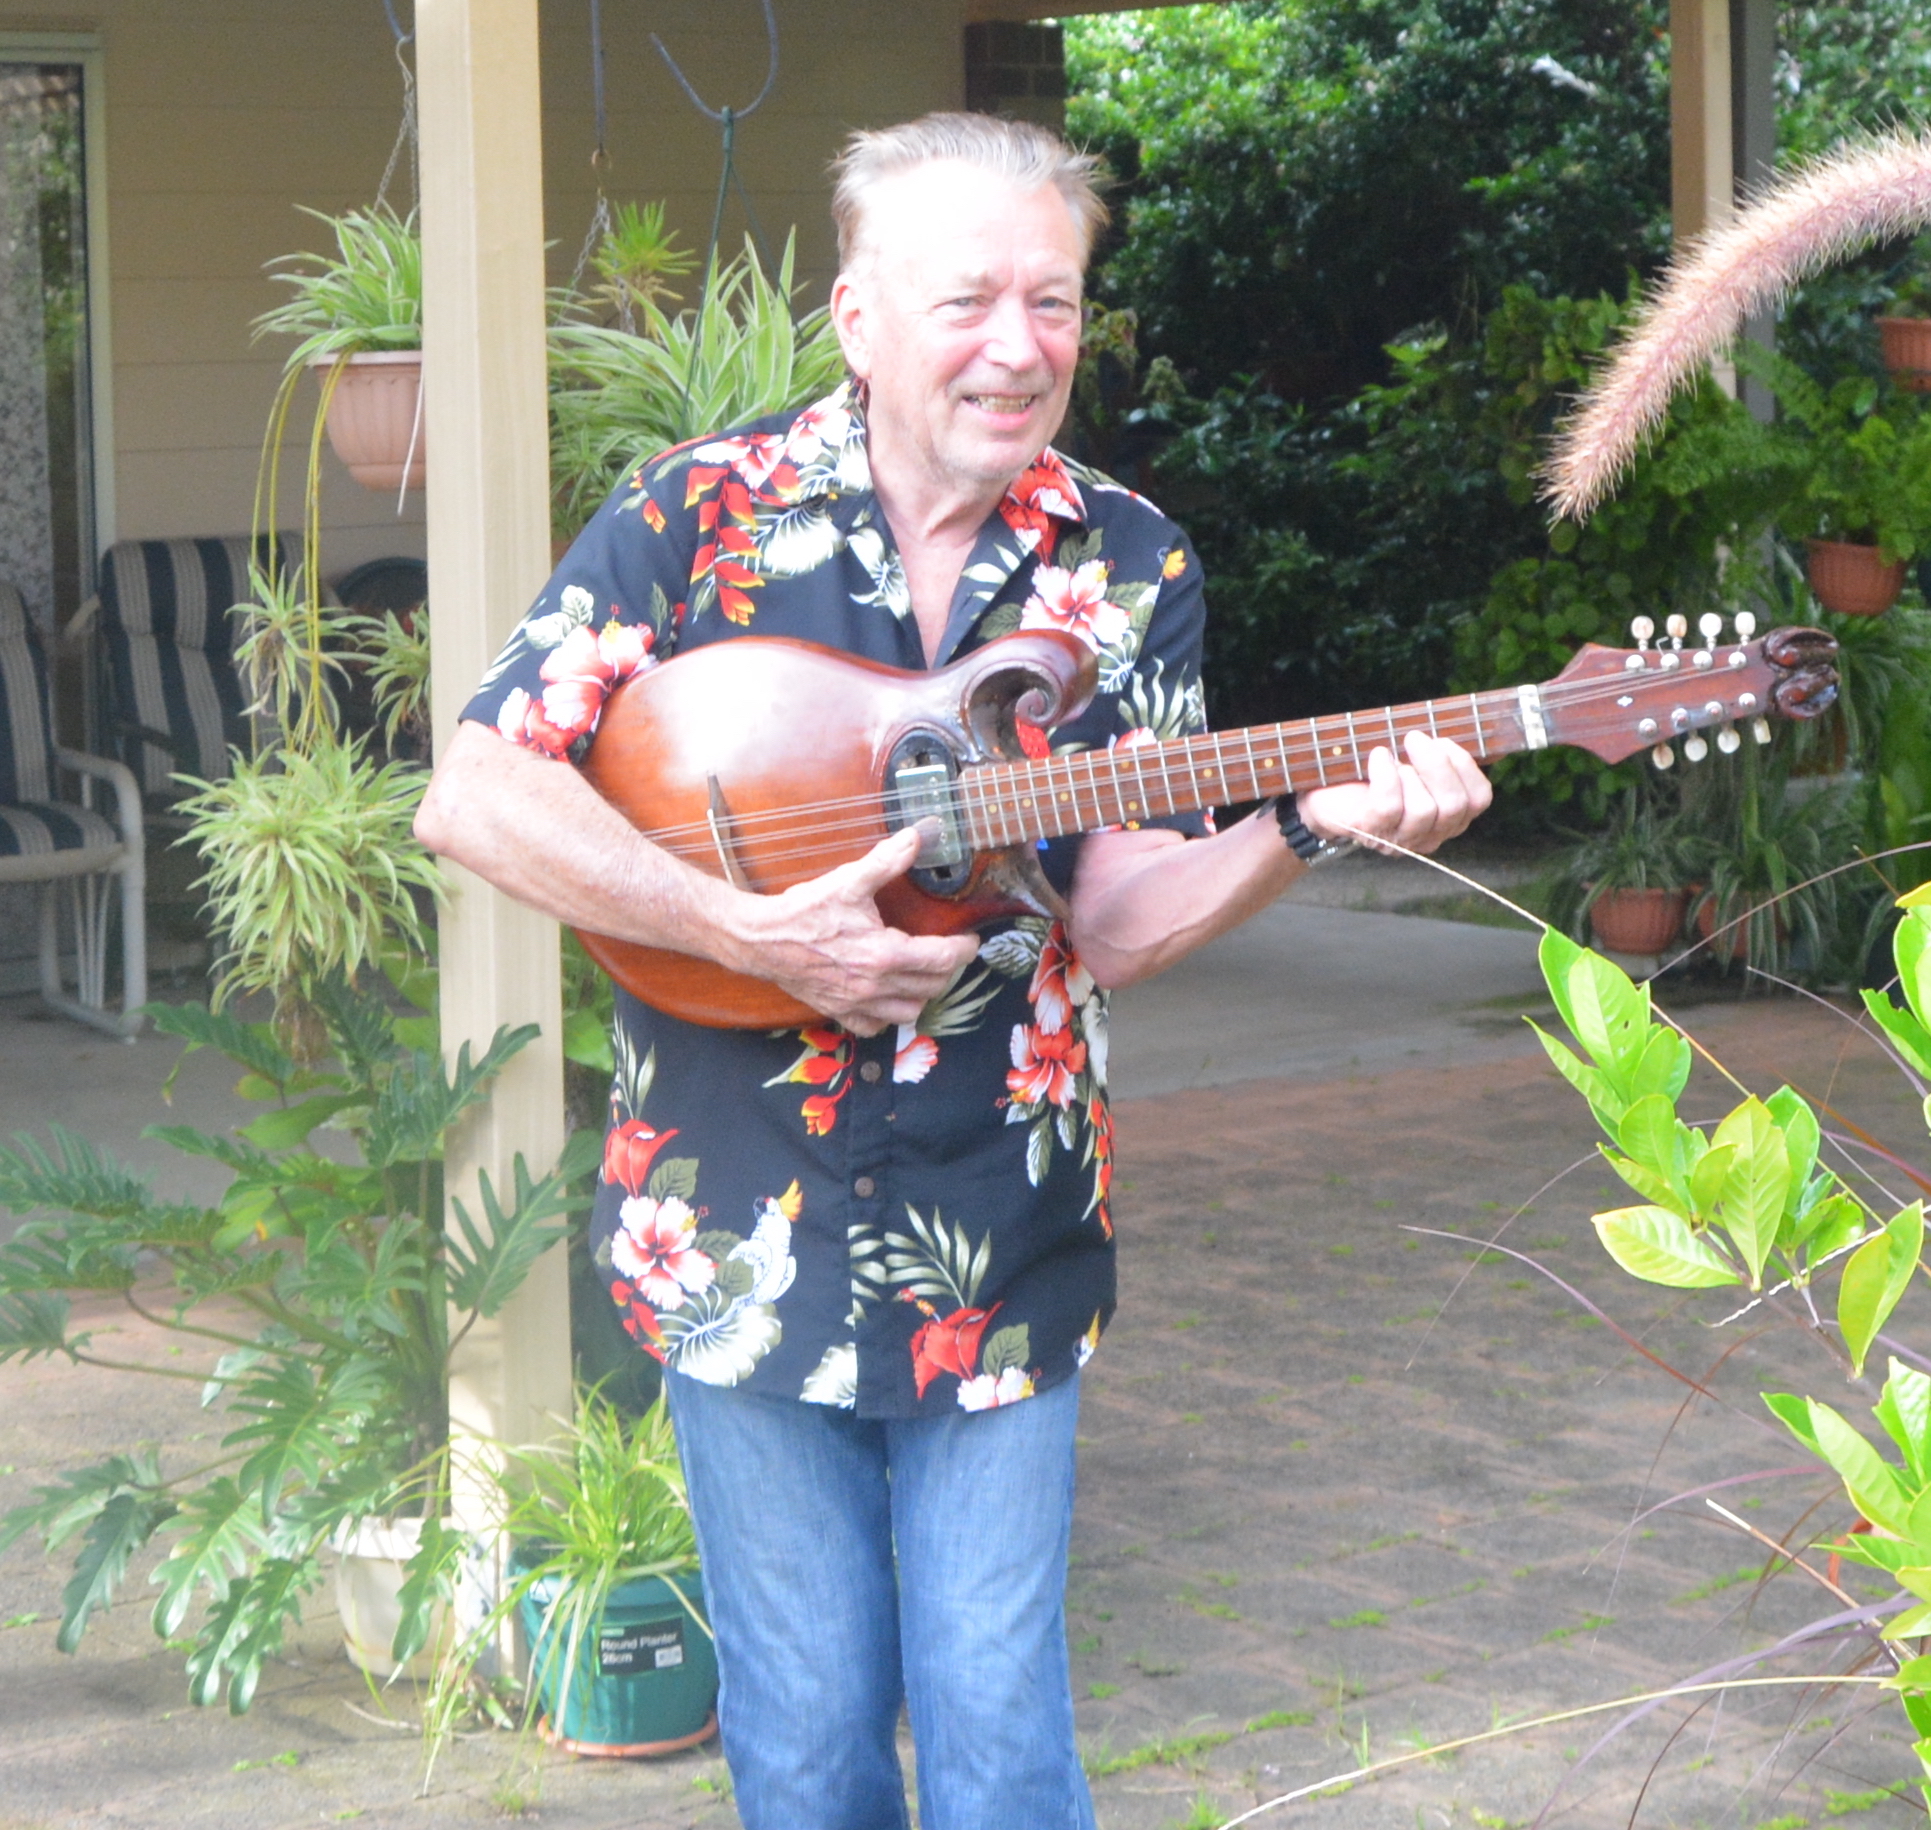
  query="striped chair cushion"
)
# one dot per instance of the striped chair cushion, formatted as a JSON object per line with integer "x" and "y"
{"x": 26, "y": 731}
{"x": 40, "y": 828}
{"x": 165, "y": 623}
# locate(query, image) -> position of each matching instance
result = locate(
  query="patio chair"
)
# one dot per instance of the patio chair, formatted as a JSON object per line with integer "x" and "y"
{"x": 164, "y": 692}
{"x": 67, "y": 847}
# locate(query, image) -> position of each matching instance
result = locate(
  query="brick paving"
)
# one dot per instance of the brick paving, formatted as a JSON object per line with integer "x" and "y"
{"x": 1343, "y": 1488}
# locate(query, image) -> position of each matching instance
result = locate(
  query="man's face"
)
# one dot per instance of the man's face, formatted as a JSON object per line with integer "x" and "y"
{"x": 964, "y": 318}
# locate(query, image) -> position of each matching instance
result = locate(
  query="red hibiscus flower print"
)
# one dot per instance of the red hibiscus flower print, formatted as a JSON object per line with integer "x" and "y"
{"x": 948, "y": 1344}
{"x": 525, "y": 721}
{"x": 1075, "y": 602}
{"x": 1040, "y": 495}
{"x": 653, "y": 516}
{"x": 1102, "y": 1117}
{"x": 654, "y": 1247}
{"x": 915, "y": 1057}
{"x": 1045, "y": 1065}
{"x": 628, "y": 1150}
{"x": 1033, "y": 740}
{"x": 1060, "y": 983}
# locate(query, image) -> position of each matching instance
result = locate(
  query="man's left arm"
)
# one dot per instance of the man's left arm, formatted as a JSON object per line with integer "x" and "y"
{"x": 1142, "y": 900}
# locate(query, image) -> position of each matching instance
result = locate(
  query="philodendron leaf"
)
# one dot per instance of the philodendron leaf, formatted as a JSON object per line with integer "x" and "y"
{"x": 118, "y": 1530}
{"x": 1875, "y": 1278}
{"x": 1868, "y": 1478}
{"x": 1751, "y": 1206}
{"x": 1658, "y": 1246}
{"x": 288, "y": 1126}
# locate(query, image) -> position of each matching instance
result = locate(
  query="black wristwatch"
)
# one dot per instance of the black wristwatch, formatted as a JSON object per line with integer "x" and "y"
{"x": 1306, "y": 845}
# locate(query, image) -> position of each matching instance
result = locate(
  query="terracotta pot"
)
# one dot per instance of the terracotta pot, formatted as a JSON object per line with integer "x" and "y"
{"x": 1734, "y": 942}
{"x": 375, "y": 421}
{"x": 1638, "y": 921}
{"x": 1849, "y": 578}
{"x": 1907, "y": 351}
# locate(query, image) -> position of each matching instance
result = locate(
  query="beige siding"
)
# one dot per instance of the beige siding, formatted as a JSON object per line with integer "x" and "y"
{"x": 224, "y": 115}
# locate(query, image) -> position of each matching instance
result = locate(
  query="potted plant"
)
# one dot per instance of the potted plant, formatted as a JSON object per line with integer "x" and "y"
{"x": 1630, "y": 882}
{"x": 357, "y": 315}
{"x": 1905, "y": 334}
{"x": 1863, "y": 505}
{"x": 604, "y": 1585}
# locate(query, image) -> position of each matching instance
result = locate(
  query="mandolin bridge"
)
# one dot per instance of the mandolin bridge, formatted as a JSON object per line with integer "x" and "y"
{"x": 921, "y": 783}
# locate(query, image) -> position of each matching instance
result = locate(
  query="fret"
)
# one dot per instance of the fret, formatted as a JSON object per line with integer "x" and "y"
{"x": 1481, "y": 742}
{"x": 1432, "y": 732}
{"x": 1093, "y": 788}
{"x": 1394, "y": 736}
{"x": 972, "y": 790}
{"x": 1138, "y": 753}
{"x": 1065, "y": 806}
{"x": 1320, "y": 761}
{"x": 1354, "y": 743}
{"x": 1118, "y": 786}
{"x": 1166, "y": 781}
{"x": 1246, "y": 735}
{"x": 1214, "y": 778}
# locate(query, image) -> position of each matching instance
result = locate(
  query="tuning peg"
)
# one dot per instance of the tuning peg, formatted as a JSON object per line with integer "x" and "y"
{"x": 1727, "y": 740}
{"x": 1711, "y": 627}
{"x": 1694, "y": 748}
{"x": 1642, "y": 628}
{"x": 1679, "y": 627}
{"x": 1746, "y": 622}
{"x": 1663, "y": 756}
{"x": 1760, "y": 729}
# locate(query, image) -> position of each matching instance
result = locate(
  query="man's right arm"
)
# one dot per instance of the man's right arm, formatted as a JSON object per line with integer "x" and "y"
{"x": 533, "y": 827}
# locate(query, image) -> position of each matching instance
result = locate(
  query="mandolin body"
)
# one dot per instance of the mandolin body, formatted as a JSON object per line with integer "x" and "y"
{"x": 769, "y": 761}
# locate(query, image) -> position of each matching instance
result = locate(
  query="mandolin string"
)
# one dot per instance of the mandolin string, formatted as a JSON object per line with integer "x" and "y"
{"x": 1001, "y": 785}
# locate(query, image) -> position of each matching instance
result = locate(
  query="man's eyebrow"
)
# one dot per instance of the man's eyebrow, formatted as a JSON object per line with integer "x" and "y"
{"x": 985, "y": 282}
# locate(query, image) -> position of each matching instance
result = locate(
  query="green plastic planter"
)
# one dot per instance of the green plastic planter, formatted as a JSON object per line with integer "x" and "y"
{"x": 647, "y": 1686}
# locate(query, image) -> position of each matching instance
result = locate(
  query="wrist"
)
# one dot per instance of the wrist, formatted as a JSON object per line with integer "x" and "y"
{"x": 1306, "y": 844}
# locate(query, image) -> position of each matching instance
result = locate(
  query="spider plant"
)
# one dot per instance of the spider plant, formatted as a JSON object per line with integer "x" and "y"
{"x": 615, "y": 397}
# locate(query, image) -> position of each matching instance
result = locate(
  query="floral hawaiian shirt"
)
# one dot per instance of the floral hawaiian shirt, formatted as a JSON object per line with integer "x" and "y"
{"x": 919, "y": 1220}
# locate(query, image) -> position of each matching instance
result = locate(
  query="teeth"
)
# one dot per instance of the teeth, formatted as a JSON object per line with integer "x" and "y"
{"x": 1002, "y": 403}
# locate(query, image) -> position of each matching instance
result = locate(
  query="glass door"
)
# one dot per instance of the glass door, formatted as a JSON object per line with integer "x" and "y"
{"x": 47, "y": 520}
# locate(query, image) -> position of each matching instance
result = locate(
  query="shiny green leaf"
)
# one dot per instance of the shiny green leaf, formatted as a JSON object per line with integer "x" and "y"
{"x": 1871, "y": 1482}
{"x": 1751, "y": 1205}
{"x": 1658, "y": 1246}
{"x": 1875, "y": 1278}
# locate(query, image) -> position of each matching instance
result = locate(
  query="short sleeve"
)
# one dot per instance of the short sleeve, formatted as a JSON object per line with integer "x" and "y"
{"x": 610, "y": 610}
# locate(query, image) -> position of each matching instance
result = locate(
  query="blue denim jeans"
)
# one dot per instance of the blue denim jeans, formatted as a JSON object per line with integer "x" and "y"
{"x": 850, "y": 1565}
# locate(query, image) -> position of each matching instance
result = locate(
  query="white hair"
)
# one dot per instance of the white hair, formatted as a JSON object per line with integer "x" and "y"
{"x": 1027, "y": 156}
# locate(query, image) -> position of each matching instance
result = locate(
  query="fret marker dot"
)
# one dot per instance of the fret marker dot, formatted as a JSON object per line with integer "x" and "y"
{"x": 1133, "y": 806}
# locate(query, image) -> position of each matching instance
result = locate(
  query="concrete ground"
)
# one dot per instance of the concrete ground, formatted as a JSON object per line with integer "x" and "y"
{"x": 1349, "y": 1487}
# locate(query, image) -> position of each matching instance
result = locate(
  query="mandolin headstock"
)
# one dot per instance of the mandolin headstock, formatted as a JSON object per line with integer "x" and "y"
{"x": 1616, "y": 701}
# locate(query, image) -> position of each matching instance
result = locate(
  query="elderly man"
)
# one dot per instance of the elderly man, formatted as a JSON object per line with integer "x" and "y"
{"x": 873, "y": 1254}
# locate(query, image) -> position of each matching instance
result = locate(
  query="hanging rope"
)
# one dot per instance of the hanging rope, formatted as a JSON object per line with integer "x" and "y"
{"x": 727, "y": 119}
{"x": 600, "y": 218}
{"x": 406, "y": 136}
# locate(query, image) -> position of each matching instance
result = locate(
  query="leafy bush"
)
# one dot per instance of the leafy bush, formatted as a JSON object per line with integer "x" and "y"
{"x": 336, "y": 1292}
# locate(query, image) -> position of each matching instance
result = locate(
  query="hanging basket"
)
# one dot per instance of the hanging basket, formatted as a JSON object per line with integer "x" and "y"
{"x": 1907, "y": 351}
{"x": 1638, "y": 921}
{"x": 375, "y": 417}
{"x": 1849, "y": 578}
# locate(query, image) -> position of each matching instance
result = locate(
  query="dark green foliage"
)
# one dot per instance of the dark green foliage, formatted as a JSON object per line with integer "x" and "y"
{"x": 333, "y": 1393}
{"x": 1303, "y": 183}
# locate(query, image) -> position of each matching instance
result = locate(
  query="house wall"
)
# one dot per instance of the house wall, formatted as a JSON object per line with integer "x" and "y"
{"x": 223, "y": 115}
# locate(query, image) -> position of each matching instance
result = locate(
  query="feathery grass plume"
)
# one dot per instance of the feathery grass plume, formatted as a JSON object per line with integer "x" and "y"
{"x": 1862, "y": 191}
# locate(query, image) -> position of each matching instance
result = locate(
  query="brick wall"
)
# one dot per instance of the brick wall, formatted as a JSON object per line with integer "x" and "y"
{"x": 1018, "y": 70}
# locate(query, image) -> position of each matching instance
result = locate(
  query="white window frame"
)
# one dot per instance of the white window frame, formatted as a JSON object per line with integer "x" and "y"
{"x": 84, "y": 48}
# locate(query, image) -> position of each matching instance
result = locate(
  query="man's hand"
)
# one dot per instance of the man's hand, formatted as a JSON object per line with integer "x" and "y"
{"x": 1419, "y": 803}
{"x": 823, "y": 942}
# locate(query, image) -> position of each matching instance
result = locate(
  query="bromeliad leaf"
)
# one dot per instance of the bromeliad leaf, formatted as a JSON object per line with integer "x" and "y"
{"x": 486, "y": 1268}
{"x": 1658, "y": 1246}
{"x": 1875, "y": 1278}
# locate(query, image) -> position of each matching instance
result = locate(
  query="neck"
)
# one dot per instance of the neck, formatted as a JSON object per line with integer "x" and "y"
{"x": 1009, "y": 803}
{"x": 925, "y": 509}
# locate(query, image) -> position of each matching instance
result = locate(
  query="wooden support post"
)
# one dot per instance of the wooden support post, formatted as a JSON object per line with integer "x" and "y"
{"x": 486, "y": 431}
{"x": 1702, "y": 168}
{"x": 1753, "y": 121}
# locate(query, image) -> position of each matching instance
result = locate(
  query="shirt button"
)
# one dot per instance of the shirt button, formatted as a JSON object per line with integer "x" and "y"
{"x": 864, "y": 1188}
{"x": 870, "y": 1073}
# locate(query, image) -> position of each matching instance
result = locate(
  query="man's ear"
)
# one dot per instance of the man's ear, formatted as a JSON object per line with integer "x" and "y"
{"x": 851, "y": 319}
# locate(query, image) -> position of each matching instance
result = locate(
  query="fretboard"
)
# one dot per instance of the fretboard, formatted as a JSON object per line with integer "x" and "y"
{"x": 1013, "y": 803}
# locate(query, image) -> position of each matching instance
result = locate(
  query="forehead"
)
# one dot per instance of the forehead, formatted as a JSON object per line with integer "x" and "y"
{"x": 951, "y": 219}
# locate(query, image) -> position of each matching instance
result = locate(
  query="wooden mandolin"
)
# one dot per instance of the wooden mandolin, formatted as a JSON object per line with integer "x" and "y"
{"x": 767, "y": 761}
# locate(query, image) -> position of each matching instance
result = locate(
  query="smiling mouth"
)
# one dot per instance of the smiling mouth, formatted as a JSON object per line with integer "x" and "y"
{"x": 1002, "y": 403}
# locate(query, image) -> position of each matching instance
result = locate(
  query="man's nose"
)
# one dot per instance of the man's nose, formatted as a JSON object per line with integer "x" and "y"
{"x": 1011, "y": 339}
